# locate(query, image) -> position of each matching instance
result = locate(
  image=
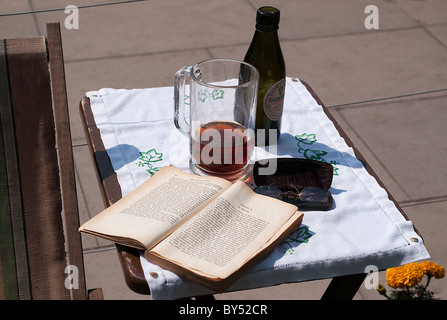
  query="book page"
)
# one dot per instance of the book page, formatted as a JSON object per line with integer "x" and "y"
{"x": 229, "y": 231}
{"x": 155, "y": 208}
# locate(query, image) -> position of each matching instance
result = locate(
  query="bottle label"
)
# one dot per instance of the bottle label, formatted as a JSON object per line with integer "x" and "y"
{"x": 274, "y": 100}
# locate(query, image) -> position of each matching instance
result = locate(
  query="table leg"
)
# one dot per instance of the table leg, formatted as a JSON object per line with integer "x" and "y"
{"x": 344, "y": 287}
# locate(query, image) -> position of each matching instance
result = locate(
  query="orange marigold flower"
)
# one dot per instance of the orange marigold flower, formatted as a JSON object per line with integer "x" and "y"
{"x": 405, "y": 276}
{"x": 432, "y": 269}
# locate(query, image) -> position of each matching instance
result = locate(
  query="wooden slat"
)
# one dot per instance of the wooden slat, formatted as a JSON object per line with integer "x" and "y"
{"x": 38, "y": 170}
{"x": 65, "y": 157}
{"x": 8, "y": 277}
{"x": 13, "y": 185}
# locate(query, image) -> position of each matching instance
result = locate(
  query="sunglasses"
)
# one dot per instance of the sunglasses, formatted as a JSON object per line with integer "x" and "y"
{"x": 311, "y": 198}
{"x": 302, "y": 182}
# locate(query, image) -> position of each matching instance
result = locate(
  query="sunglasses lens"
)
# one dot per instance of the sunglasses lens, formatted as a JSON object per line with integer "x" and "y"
{"x": 311, "y": 198}
{"x": 315, "y": 199}
{"x": 270, "y": 191}
{"x": 314, "y": 195}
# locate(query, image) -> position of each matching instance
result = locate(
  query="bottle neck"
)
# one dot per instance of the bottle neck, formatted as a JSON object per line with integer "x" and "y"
{"x": 269, "y": 37}
{"x": 266, "y": 28}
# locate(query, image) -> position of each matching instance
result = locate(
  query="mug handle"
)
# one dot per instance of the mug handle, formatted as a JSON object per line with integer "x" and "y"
{"x": 179, "y": 100}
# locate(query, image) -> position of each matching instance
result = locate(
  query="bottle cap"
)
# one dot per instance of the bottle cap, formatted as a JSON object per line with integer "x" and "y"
{"x": 267, "y": 16}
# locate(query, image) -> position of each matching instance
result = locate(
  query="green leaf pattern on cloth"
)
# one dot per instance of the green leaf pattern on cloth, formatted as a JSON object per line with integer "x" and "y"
{"x": 302, "y": 235}
{"x": 146, "y": 159}
{"x": 305, "y": 142}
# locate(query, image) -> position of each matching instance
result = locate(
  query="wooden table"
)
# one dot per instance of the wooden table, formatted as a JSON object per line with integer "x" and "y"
{"x": 343, "y": 287}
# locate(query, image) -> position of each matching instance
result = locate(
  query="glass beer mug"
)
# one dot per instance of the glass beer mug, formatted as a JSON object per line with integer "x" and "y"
{"x": 221, "y": 118}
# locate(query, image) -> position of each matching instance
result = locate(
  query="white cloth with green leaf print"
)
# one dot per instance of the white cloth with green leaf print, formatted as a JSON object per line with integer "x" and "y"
{"x": 363, "y": 228}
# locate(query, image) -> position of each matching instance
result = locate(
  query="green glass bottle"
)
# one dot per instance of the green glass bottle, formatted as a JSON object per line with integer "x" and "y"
{"x": 265, "y": 54}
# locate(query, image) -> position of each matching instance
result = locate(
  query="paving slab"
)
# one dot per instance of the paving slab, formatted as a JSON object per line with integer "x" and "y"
{"x": 408, "y": 137}
{"x": 16, "y": 26}
{"x": 153, "y": 26}
{"x": 427, "y": 12}
{"x": 439, "y": 32}
{"x": 366, "y": 66}
{"x": 103, "y": 270}
{"x": 293, "y": 291}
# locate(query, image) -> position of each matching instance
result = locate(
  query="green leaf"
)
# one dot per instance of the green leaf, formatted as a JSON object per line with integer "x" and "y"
{"x": 306, "y": 138}
{"x": 217, "y": 94}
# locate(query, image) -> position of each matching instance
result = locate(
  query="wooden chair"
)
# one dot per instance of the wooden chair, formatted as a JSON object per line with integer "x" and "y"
{"x": 40, "y": 247}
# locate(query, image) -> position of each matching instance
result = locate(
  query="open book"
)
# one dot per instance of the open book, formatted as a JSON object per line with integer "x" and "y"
{"x": 202, "y": 228}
